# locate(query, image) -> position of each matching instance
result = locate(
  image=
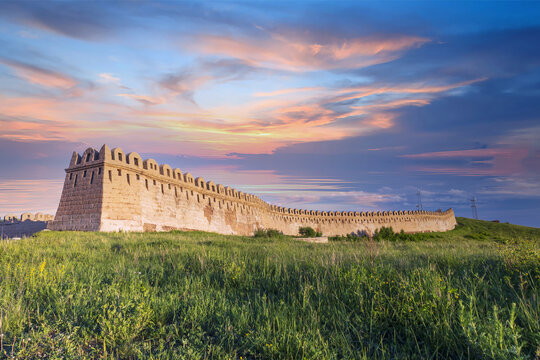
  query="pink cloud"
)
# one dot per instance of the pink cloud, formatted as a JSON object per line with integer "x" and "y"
{"x": 22, "y": 195}
{"x": 414, "y": 88}
{"x": 301, "y": 54}
{"x": 287, "y": 91}
{"x": 467, "y": 153}
{"x": 144, "y": 99}
{"x": 505, "y": 161}
{"x": 40, "y": 76}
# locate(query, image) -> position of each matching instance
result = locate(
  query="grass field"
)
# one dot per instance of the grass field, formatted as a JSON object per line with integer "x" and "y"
{"x": 466, "y": 294}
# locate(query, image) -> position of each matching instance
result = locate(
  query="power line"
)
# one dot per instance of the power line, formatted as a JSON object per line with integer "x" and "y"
{"x": 474, "y": 207}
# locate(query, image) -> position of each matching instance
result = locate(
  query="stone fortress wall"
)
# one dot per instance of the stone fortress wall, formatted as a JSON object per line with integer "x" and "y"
{"x": 107, "y": 190}
{"x": 23, "y": 225}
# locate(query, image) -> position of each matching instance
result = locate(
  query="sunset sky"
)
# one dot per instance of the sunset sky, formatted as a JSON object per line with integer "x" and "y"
{"x": 314, "y": 105}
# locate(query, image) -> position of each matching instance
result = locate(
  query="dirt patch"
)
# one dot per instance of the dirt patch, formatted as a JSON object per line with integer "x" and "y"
{"x": 208, "y": 212}
{"x": 149, "y": 227}
{"x": 320, "y": 240}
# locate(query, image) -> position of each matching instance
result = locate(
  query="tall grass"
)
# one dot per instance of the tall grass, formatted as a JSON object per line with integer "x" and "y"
{"x": 200, "y": 295}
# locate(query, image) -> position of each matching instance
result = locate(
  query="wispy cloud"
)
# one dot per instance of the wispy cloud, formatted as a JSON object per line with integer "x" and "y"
{"x": 109, "y": 78}
{"x": 291, "y": 52}
{"x": 287, "y": 91}
{"x": 144, "y": 99}
{"x": 38, "y": 75}
{"x": 22, "y": 195}
{"x": 465, "y": 153}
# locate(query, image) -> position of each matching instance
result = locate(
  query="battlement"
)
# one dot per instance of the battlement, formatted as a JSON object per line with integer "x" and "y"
{"x": 12, "y": 218}
{"x": 111, "y": 190}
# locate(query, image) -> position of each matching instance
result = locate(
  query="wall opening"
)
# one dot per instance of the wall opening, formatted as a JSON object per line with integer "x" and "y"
{"x": 88, "y": 157}
{"x": 75, "y": 182}
{"x": 84, "y": 173}
{"x": 119, "y": 172}
{"x": 162, "y": 191}
{"x": 138, "y": 177}
{"x": 119, "y": 157}
{"x": 129, "y": 182}
{"x": 154, "y": 182}
{"x": 110, "y": 175}
{"x": 92, "y": 178}
{"x": 99, "y": 171}
{"x": 146, "y": 183}
{"x": 70, "y": 176}
{"x": 136, "y": 161}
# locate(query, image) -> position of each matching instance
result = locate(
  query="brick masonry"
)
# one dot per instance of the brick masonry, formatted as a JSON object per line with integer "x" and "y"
{"x": 24, "y": 225}
{"x": 107, "y": 190}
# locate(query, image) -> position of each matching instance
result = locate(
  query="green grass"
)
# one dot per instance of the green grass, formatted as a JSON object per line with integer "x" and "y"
{"x": 467, "y": 294}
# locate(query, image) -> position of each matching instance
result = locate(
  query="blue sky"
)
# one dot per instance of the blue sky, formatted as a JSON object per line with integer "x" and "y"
{"x": 316, "y": 105}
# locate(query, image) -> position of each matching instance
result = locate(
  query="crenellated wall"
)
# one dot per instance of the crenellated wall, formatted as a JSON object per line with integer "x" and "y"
{"x": 13, "y": 218}
{"x": 109, "y": 190}
{"x": 24, "y": 225}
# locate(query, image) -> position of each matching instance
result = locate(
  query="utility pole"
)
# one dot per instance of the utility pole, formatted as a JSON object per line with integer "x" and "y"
{"x": 474, "y": 208}
{"x": 419, "y": 205}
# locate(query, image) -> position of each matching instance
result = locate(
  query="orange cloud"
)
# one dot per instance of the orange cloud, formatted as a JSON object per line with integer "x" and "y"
{"x": 284, "y": 52}
{"x": 383, "y": 121}
{"x": 416, "y": 88}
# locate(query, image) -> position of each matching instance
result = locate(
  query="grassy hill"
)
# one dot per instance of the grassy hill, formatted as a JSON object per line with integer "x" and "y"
{"x": 469, "y": 293}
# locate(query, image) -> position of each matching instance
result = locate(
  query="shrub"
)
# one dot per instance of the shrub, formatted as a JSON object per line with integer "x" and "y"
{"x": 385, "y": 233}
{"x": 308, "y": 232}
{"x": 388, "y": 234}
{"x": 350, "y": 237}
{"x": 267, "y": 233}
